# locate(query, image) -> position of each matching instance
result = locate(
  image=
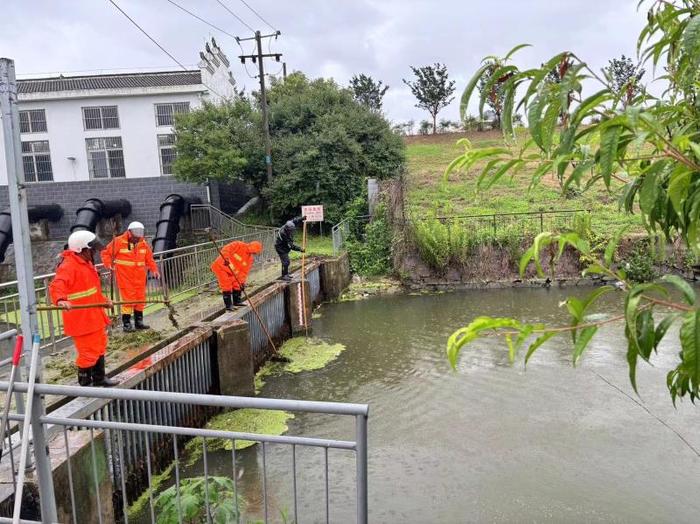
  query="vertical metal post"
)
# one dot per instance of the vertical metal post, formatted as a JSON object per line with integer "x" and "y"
{"x": 541, "y": 222}
{"x": 361, "y": 467}
{"x": 18, "y": 202}
{"x": 263, "y": 107}
{"x": 494, "y": 225}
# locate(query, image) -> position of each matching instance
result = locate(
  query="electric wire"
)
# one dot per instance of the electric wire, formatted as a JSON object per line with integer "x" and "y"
{"x": 200, "y": 18}
{"x": 161, "y": 47}
{"x": 259, "y": 15}
{"x": 235, "y": 15}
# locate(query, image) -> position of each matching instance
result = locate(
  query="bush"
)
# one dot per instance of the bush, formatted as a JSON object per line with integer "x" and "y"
{"x": 370, "y": 253}
{"x": 639, "y": 264}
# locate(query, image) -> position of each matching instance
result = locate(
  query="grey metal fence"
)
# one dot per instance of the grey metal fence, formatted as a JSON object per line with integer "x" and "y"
{"x": 134, "y": 438}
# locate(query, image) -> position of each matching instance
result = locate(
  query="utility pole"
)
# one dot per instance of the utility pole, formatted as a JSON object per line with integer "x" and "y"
{"x": 284, "y": 71}
{"x": 259, "y": 58}
{"x": 25, "y": 284}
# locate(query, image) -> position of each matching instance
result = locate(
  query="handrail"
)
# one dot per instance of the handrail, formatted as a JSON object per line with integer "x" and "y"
{"x": 306, "y": 406}
{"x": 229, "y": 217}
{"x": 522, "y": 213}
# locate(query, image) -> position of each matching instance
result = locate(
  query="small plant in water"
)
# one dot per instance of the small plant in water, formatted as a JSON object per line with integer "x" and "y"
{"x": 190, "y": 506}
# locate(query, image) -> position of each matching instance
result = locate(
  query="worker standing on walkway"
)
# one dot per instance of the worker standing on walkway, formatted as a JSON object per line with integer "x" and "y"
{"x": 232, "y": 268}
{"x": 285, "y": 243}
{"x": 77, "y": 283}
{"x": 130, "y": 256}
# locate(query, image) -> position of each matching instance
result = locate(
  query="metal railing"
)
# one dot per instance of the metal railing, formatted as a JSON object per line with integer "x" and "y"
{"x": 525, "y": 224}
{"x": 120, "y": 430}
{"x": 185, "y": 271}
{"x": 345, "y": 230}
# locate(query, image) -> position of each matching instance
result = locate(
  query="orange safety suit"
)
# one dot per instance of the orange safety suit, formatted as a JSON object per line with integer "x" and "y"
{"x": 239, "y": 256}
{"x": 77, "y": 281}
{"x": 130, "y": 257}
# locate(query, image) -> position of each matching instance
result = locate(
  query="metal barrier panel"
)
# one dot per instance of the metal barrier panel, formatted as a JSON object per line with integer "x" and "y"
{"x": 273, "y": 314}
{"x": 314, "y": 278}
{"x": 138, "y": 442}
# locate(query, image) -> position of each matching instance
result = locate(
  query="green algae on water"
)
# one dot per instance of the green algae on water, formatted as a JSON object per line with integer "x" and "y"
{"x": 247, "y": 420}
{"x": 308, "y": 354}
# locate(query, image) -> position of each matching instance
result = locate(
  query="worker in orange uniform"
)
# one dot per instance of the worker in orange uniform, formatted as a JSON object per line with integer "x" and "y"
{"x": 130, "y": 256}
{"x": 232, "y": 269}
{"x": 77, "y": 283}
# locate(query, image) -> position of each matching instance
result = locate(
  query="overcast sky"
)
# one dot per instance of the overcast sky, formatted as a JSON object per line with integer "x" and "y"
{"x": 329, "y": 38}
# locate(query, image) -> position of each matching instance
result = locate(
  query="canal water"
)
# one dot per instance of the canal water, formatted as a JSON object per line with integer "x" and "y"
{"x": 489, "y": 442}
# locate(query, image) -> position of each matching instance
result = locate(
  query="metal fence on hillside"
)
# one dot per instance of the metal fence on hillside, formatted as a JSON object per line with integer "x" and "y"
{"x": 524, "y": 224}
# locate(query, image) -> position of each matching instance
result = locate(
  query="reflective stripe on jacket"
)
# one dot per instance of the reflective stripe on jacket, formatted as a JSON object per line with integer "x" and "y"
{"x": 77, "y": 281}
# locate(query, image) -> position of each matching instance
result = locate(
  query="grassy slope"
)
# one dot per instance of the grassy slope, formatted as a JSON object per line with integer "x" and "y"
{"x": 428, "y": 156}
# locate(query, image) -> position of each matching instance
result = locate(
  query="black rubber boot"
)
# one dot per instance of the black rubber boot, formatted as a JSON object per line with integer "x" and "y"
{"x": 85, "y": 376}
{"x": 228, "y": 301}
{"x": 126, "y": 324}
{"x": 98, "y": 374}
{"x": 237, "y": 299}
{"x": 138, "y": 321}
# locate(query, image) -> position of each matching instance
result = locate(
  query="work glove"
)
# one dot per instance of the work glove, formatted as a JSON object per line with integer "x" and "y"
{"x": 65, "y": 304}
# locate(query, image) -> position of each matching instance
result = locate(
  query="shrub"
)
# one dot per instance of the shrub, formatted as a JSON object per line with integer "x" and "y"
{"x": 370, "y": 252}
{"x": 639, "y": 264}
{"x": 222, "y": 504}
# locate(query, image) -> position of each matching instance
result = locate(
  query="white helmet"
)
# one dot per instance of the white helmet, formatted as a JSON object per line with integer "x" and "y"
{"x": 80, "y": 240}
{"x": 137, "y": 229}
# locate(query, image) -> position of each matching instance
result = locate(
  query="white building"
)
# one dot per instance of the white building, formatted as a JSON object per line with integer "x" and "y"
{"x": 81, "y": 128}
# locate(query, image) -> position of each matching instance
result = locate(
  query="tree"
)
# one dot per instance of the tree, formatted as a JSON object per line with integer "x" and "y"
{"x": 220, "y": 142}
{"x": 326, "y": 145}
{"x": 432, "y": 88}
{"x": 367, "y": 91}
{"x": 424, "y": 127}
{"x": 624, "y": 77}
{"x": 652, "y": 149}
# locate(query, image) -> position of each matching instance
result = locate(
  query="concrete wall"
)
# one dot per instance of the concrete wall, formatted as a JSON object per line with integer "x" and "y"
{"x": 145, "y": 195}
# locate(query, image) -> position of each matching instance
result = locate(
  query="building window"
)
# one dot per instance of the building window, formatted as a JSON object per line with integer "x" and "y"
{"x": 32, "y": 121}
{"x": 36, "y": 159}
{"x": 100, "y": 117}
{"x": 167, "y": 153}
{"x": 105, "y": 157}
{"x": 165, "y": 112}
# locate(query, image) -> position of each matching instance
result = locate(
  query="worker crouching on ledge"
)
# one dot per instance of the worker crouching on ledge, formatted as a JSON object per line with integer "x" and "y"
{"x": 232, "y": 267}
{"x": 284, "y": 243}
{"x": 130, "y": 256}
{"x": 77, "y": 283}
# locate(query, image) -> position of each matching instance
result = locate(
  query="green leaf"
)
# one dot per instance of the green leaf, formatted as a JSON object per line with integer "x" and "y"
{"x": 582, "y": 341}
{"x": 691, "y": 41}
{"x": 609, "y": 139}
{"x": 511, "y": 349}
{"x": 690, "y": 345}
{"x": 632, "y": 353}
{"x": 525, "y": 260}
{"x": 515, "y": 50}
{"x": 649, "y": 192}
{"x": 549, "y": 122}
{"x": 683, "y": 286}
{"x": 612, "y": 245}
{"x": 662, "y": 328}
{"x": 467, "y": 93}
{"x": 502, "y": 170}
{"x": 534, "y": 119}
{"x": 646, "y": 335}
{"x": 471, "y": 332}
{"x": 537, "y": 343}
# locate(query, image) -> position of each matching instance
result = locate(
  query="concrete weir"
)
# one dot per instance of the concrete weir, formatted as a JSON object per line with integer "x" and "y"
{"x": 218, "y": 355}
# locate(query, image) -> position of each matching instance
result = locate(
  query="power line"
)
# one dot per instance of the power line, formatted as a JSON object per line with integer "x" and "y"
{"x": 161, "y": 47}
{"x": 235, "y": 15}
{"x": 258, "y": 15}
{"x": 149, "y": 36}
{"x": 201, "y": 19}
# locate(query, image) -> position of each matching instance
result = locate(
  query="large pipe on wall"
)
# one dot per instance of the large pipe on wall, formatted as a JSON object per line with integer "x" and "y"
{"x": 168, "y": 225}
{"x": 94, "y": 209}
{"x": 50, "y": 212}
